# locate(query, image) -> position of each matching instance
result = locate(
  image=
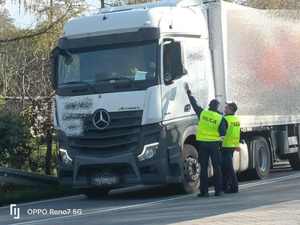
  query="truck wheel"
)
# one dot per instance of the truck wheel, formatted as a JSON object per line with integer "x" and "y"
{"x": 95, "y": 192}
{"x": 294, "y": 160}
{"x": 262, "y": 158}
{"x": 191, "y": 170}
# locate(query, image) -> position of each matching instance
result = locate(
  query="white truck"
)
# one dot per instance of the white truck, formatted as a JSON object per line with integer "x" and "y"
{"x": 121, "y": 110}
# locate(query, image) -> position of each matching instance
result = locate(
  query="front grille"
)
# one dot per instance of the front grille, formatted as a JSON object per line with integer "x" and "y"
{"x": 121, "y": 135}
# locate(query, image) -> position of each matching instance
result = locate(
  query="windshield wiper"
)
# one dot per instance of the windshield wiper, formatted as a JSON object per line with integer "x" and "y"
{"x": 115, "y": 78}
{"x": 91, "y": 87}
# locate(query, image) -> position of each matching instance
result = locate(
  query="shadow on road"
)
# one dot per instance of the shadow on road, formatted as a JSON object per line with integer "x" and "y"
{"x": 143, "y": 192}
{"x": 154, "y": 192}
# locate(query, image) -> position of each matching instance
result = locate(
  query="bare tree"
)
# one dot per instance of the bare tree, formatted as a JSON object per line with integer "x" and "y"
{"x": 270, "y": 4}
{"x": 25, "y": 62}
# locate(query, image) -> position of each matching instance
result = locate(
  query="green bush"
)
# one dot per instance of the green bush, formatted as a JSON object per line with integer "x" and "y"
{"x": 15, "y": 141}
{"x": 2, "y": 102}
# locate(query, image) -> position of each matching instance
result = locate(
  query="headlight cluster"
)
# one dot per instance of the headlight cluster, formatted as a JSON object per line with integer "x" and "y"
{"x": 67, "y": 160}
{"x": 149, "y": 151}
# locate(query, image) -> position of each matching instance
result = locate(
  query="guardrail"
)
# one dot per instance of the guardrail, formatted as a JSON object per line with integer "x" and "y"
{"x": 19, "y": 177}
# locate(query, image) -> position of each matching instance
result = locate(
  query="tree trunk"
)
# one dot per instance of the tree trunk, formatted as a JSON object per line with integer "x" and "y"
{"x": 48, "y": 153}
{"x": 48, "y": 140}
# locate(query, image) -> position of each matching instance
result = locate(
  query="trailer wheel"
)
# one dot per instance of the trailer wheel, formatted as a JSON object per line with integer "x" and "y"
{"x": 294, "y": 160}
{"x": 191, "y": 170}
{"x": 95, "y": 192}
{"x": 262, "y": 158}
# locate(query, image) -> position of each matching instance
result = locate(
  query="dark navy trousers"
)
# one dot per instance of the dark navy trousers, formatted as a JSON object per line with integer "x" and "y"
{"x": 210, "y": 150}
{"x": 230, "y": 181}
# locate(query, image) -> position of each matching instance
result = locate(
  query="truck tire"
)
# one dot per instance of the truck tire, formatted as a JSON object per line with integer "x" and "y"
{"x": 95, "y": 192}
{"x": 262, "y": 158}
{"x": 191, "y": 170}
{"x": 294, "y": 160}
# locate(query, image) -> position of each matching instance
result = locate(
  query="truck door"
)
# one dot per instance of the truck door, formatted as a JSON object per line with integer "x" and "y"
{"x": 196, "y": 63}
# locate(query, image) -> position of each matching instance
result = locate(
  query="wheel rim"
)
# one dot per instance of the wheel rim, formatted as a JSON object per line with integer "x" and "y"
{"x": 263, "y": 159}
{"x": 191, "y": 169}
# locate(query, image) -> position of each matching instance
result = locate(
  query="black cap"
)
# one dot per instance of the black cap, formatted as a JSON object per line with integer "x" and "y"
{"x": 233, "y": 106}
{"x": 214, "y": 104}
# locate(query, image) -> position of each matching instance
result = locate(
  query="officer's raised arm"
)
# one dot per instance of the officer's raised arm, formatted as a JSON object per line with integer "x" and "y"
{"x": 198, "y": 109}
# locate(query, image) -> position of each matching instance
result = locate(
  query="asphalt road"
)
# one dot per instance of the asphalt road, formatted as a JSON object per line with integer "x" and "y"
{"x": 159, "y": 206}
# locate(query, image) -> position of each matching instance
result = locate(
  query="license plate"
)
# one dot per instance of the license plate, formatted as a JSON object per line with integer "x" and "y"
{"x": 104, "y": 180}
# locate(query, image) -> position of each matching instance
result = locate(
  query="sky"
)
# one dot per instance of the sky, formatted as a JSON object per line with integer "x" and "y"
{"x": 25, "y": 20}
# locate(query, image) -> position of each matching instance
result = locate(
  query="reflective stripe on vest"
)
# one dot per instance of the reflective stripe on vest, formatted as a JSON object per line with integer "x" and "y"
{"x": 232, "y": 137}
{"x": 208, "y": 127}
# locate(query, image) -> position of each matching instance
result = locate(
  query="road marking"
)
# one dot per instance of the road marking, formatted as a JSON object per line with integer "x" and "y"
{"x": 80, "y": 196}
{"x": 147, "y": 204}
{"x": 73, "y": 197}
{"x": 46, "y": 201}
{"x": 274, "y": 180}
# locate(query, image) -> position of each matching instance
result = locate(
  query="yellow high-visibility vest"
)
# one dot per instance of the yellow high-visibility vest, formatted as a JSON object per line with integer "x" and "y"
{"x": 208, "y": 127}
{"x": 232, "y": 137}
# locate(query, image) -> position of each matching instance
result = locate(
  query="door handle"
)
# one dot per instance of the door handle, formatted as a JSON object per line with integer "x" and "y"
{"x": 187, "y": 108}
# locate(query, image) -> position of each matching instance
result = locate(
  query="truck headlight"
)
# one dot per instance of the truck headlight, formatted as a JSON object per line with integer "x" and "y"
{"x": 65, "y": 156}
{"x": 148, "y": 152}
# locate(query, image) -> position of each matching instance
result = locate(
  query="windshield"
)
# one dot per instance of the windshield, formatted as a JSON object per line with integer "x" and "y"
{"x": 133, "y": 64}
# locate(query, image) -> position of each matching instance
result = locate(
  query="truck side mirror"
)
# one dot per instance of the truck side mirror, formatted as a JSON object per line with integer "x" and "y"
{"x": 54, "y": 67}
{"x": 172, "y": 62}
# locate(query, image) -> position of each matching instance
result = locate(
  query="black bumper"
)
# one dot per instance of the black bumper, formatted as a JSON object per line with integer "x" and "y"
{"x": 115, "y": 151}
{"x": 125, "y": 166}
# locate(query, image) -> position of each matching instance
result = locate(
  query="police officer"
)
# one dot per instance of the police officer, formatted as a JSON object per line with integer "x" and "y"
{"x": 211, "y": 128}
{"x": 231, "y": 143}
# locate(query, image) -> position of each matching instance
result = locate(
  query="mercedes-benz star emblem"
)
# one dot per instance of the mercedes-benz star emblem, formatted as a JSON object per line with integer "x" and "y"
{"x": 101, "y": 119}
